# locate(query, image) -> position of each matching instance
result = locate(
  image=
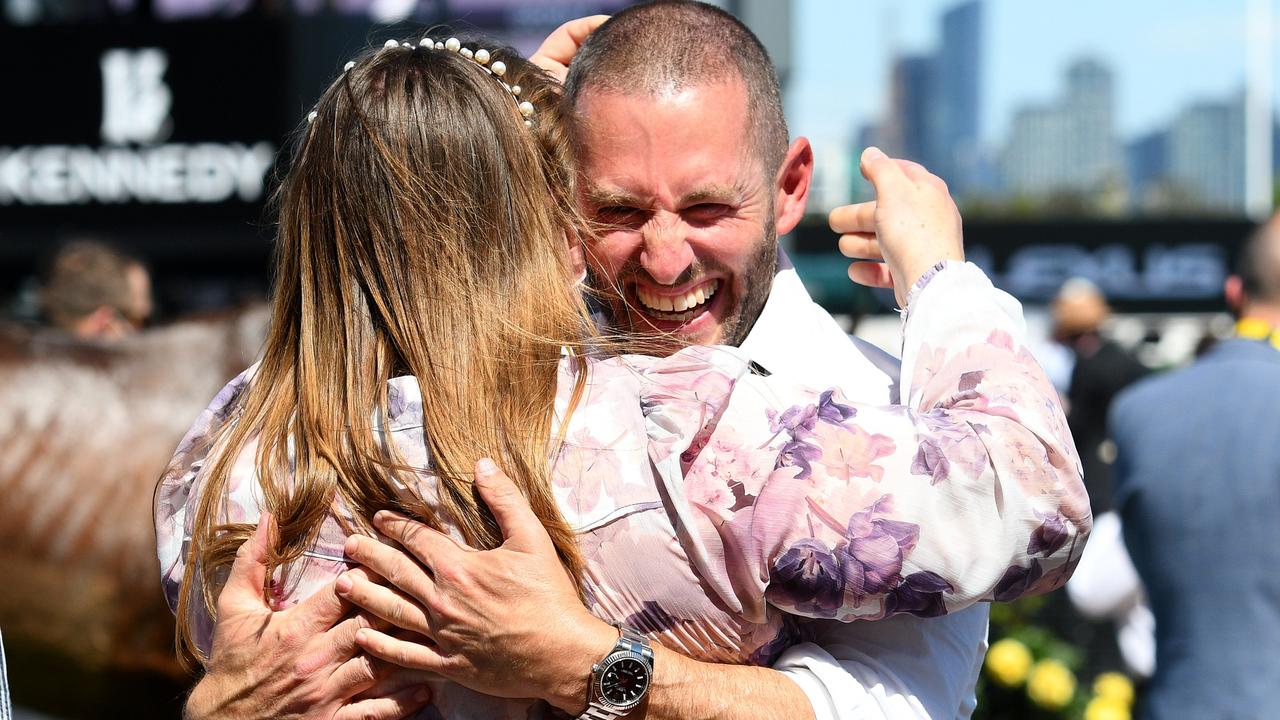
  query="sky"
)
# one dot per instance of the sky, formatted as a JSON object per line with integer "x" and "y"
{"x": 1164, "y": 54}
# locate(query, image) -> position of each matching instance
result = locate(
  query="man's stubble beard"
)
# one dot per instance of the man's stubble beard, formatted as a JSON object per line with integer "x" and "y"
{"x": 757, "y": 283}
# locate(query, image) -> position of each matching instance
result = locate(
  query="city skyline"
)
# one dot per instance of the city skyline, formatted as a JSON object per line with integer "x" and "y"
{"x": 1182, "y": 54}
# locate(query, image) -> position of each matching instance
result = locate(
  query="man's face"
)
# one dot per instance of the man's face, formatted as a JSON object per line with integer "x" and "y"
{"x": 690, "y": 242}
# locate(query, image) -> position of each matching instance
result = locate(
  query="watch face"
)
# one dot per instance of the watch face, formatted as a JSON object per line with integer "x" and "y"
{"x": 624, "y": 681}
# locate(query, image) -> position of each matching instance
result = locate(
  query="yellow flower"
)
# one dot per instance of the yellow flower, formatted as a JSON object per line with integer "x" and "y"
{"x": 1104, "y": 708}
{"x": 1051, "y": 685}
{"x": 1008, "y": 662}
{"x": 1114, "y": 686}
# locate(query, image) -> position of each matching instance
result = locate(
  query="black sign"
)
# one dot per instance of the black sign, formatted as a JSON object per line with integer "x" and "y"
{"x": 1141, "y": 266}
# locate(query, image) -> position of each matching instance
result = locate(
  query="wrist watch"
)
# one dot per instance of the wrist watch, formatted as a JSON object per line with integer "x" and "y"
{"x": 621, "y": 680}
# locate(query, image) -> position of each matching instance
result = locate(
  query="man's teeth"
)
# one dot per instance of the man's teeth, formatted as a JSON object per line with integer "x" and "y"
{"x": 678, "y": 303}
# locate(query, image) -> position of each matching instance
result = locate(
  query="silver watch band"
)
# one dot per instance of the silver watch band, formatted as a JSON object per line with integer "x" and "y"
{"x": 595, "y": 712}
{"x": 631, "y": 641}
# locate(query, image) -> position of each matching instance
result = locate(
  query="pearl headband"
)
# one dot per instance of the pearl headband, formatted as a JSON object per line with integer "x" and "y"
{"x": 480, "y": 57}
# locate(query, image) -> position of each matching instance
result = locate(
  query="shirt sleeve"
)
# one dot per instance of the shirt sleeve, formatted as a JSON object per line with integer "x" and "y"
{"x": 177, "y": 496}
{"x": 794, "y": 498}
{"x": 903, "y": 667}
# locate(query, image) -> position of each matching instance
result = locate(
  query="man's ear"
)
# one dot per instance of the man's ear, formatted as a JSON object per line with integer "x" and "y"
{"x": 1233, "y": 291}
{"x": 577, "y": 257}
{"x": 792, "y": 186}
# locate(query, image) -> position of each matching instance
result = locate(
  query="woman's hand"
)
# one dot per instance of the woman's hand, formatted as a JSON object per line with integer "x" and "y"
{"x": 505, "y": 622}
{"x": 557, "y": 51}
{"x": 912, "y": 225}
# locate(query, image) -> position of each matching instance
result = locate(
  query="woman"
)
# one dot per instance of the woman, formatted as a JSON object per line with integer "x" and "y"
{"x": 424, "y": 281}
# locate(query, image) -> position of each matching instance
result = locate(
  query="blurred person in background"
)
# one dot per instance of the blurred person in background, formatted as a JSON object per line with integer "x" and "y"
{"x": 90, "y": 409}
{"x": 1198, "y": 491}
{"x": 1102, "y": 368}
{"x": 1109, "y": 623}
{"x": 94, "y": 292}
{"x": 526, "y": 666}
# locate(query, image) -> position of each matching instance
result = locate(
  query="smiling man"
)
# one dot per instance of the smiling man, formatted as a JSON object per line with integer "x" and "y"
{"x": 689, "y": 242}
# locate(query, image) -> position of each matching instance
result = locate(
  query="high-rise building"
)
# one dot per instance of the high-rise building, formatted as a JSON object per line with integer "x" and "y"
{"x": 1096, "y": 156}
{"x": 1206, "y": 154}
{"x": 911, "y": 131}
{"x": 1037, "y": 153}
{"x": 1068, "y": 146}
{"x": 1147, "y": 161}
{"x": 959, "y": 84}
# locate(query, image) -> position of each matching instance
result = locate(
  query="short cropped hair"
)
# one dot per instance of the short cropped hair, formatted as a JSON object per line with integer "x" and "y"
{"x": 1258, "y": 264}
{"x": 675, "y": 44}
{"x": 84, "y": 276}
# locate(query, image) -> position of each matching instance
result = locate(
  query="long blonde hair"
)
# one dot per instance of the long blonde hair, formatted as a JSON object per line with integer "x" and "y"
{"x": 422, "y": 230}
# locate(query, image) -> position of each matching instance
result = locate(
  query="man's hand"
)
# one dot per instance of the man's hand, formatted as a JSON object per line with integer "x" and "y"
{"x": 504, "y": 622}
{"x": 912, "y": 225}
{"x": 297, "y": 663}
{"x": 557, "y": 51}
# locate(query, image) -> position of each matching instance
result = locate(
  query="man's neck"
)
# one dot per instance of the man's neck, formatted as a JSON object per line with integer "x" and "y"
{"x": 1266, "y": 312}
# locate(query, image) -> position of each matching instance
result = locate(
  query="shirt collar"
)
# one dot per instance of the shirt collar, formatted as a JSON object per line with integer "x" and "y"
{"x": 791, "y": 319}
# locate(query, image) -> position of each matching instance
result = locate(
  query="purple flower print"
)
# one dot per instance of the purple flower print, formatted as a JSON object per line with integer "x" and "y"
{"x": 795, "y": 420}
{"x": 1016, "y": 581}
{"x": 1049, "y": 537}
{"x": 875, "y": 550}
{"x": 930, "y": 461}
{"x": 920, "y": 594}
{"x": 969, "y": 381}
{"x": 402, "y": 407}
{"x": 798, "y": 453}
{"x": 767, "y": 653}
{"x": 651, "y": 618}
{"x": 833, "y": 412}
{"x": 807, "y": 577}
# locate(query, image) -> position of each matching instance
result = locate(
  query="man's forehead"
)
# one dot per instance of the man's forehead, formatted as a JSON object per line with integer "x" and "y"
{"x": 692, "y": 143}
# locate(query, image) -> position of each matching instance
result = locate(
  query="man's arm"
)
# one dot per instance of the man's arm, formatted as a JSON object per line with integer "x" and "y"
{"x": 544, "y": 645}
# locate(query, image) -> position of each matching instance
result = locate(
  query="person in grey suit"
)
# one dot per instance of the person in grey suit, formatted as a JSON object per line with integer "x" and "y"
{"x": 1198, "y": 490}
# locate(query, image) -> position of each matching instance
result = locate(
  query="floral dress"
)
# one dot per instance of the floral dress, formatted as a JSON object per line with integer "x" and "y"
{"x": 715, "y": 504}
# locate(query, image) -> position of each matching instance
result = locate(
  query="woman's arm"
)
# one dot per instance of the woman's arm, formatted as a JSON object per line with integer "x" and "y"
{"x": 969, "y": 491}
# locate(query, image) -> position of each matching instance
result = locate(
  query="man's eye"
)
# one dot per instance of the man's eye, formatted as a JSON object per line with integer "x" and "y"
{"x": 618, "y": 214}
{"x": 707, "y": 212}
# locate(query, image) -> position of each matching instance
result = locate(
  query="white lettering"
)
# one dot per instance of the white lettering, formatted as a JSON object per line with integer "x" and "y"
{"x": 173, "y": 173}
{"x": 135, "y": 99}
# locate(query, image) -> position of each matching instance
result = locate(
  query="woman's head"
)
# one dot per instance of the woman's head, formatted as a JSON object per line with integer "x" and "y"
{"x": 418, "y": 177}
{"x": 423, "y": 229}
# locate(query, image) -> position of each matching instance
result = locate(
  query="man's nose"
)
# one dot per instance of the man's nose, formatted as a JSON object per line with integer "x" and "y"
{"x": 666, "y": 253}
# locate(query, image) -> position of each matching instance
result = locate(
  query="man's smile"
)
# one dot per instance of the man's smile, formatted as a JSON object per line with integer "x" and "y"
{"x": 665, "y": 305}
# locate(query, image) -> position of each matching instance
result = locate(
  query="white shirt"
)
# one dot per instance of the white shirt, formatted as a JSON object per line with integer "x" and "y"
{"x": 902, "y": 667}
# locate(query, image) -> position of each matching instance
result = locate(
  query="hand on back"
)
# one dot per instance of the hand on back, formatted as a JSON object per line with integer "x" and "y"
{"x": 912, "y": 225}
{"x": 302, "y": 662}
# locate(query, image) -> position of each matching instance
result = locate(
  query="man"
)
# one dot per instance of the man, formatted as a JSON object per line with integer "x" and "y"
{"x": 685, "y": 159}
{"x": 94, "y": 293}
{"x": 1198, "y": 491}
{"x": 1102, "y": 369}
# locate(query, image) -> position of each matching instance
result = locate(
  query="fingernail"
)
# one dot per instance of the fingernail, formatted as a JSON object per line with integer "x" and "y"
{"x": 343, "y": 584}
{"x": 485, "y": 467}
{"x": 872, "y": 153}
{"x": 423, "y": 694}
{"x": 352, "y": 545}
